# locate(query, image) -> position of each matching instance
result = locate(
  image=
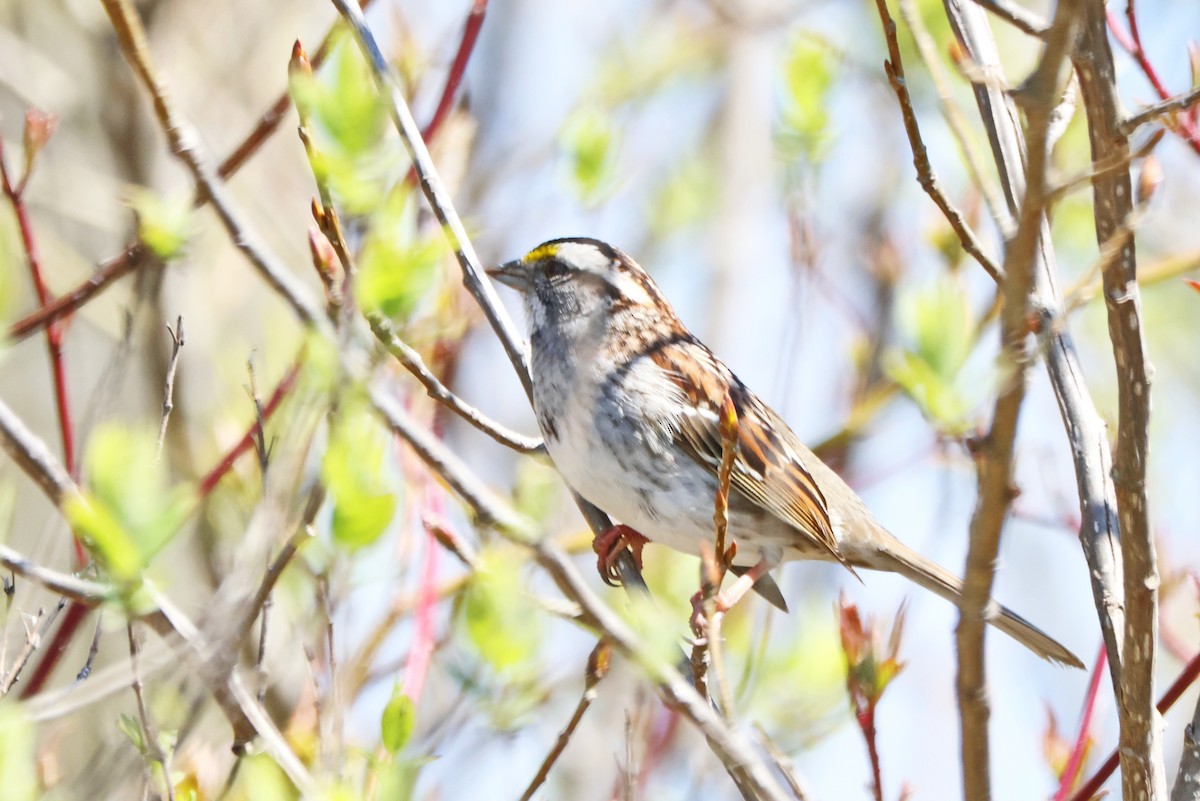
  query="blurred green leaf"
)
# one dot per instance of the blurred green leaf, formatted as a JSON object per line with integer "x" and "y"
{"x": 808, "y": 72}
{"x": 342, "y": 98}
{"x": 165, "y": 224}
{"x": 940, "y": 321}
{"x": 346, "y": 119}
{"x": 18, "y": 768}
{"x": 362, "y": 505}
{"x": 127, "y": 512}
{"x": 590, "y": 142}
{"x": 687, "y": 198}
{"x": 536, "y": 488}
{"x": 502, "y": 622}
{"x": 398, "y": 266}
{"x": 399, "y": 718}
{"x": 397, "y": 777}
{"x": 938, "y": 398}
{"x": 132, "y": 731}
{"x": 260, "y": 779}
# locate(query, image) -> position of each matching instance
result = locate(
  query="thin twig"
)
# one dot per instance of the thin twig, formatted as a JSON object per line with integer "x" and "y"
{"x": 1075, "y": 762}
{"x": 796, "y": 783}
{"x": 214, "y": 476}
{"x": 954, "y": 117}
{"x": 169, "y": 389}
{"x": 411, "y": 360}
{"x": 598, "y": 663}
{"x": 894, "y": 68}
{"x": 153, "y": 749}
{"x": 1020, "y": 18}
{"x": 995, "y": 461}
{"x": 1151, "y": 113}
{"x": 33, "y": 641}
{"x": 87, "y": 592}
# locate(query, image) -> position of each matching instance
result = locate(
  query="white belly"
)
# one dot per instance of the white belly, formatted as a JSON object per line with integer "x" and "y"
{"x": 631, "y": 471}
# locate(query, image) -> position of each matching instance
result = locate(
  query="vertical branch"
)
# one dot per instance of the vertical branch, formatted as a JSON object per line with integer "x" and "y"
{"x": 1085, "y": 430}
{"x": 1142, "y": 771}
{"x": 1040, "y": 95}
{"x": 169, "y": 388}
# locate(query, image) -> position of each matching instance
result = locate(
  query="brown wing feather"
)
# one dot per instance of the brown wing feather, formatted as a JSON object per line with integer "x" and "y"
{"x": 767, "y": 467}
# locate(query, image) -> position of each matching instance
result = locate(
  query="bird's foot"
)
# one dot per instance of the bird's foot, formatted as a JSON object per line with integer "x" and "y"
{"x": 608, "y": 545}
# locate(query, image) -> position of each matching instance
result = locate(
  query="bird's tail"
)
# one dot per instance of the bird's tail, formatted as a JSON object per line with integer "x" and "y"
{"x": 899, "y": 558}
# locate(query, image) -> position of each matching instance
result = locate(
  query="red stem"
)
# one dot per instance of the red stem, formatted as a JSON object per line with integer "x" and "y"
{"x": 1132, "y": 43}
{"x": 214, "y": 476}
{"x": 1188, "y": 675}
{"x": 54, "y": 333}
{"x": 1075, "y": 763}
{"x": 458, "y": 69}
{"x": 866, "y": 722}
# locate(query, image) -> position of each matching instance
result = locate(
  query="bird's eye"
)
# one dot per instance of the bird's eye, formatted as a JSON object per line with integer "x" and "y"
{"x": 555, "y": 269}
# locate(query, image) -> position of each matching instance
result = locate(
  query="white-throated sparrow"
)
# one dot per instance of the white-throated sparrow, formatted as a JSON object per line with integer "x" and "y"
{"x": 628, "y": 402}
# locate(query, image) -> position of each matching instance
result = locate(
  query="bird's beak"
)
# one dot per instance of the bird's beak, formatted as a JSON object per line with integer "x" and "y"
{"x": 513, "y": 273}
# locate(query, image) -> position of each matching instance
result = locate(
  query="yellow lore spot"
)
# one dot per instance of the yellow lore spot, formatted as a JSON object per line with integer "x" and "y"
{"x": 541, "y": 252}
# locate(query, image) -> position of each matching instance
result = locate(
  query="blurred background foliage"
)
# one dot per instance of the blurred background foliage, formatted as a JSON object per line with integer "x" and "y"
{"x": 750, "y": 154}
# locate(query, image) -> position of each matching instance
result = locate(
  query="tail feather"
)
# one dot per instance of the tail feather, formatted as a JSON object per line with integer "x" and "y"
{"x": 899, "y": 558}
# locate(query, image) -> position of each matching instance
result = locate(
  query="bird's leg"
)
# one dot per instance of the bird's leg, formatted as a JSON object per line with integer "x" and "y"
{"x": 608, "y": 545}
{"x": 729, "y": 596}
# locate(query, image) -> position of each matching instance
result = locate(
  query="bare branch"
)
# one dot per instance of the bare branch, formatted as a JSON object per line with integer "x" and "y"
{"x": 1152, "y": 113}
{"x": 1020, "y": 18}
{"x": 894, "y": 68}
{"x": 1085, "y": 430}
{"x": 169, "y": 389}
{"x": 1041, "y": 95}
{"x": 441, "y": 393}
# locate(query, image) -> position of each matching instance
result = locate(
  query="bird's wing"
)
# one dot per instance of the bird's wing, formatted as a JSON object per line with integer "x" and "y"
{"x": 768, "y": 467}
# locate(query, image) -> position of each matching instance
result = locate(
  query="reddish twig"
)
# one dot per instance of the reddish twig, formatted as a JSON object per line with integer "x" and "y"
{"x": 54, "y": 333}
{"x": 1131, "y": 41}
{"x": 1075, "y": 762}
{"x": 458, "y": 69}
{"x": 214, "y": 476}
{"x": 1185, "y": 679}
{"x": 115, "y": 268}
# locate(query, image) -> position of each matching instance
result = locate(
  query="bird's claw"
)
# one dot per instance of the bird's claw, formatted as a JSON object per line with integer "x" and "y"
{"x": 608, "y": 545}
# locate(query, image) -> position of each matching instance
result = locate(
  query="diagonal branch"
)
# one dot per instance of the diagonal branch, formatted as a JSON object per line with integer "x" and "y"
{"x": 894, "y": 68}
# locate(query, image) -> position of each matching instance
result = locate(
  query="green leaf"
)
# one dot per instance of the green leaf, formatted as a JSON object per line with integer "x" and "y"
{"x": 399, "y": 718}
{"x": 362, "y": 505}
{"x": 398, "y": 266}
{"x": 165, "y": 224}
{"x": 590, "y": 142}
{"x": 502, "y": 623}
{"x": 18, "y": 768}
{"x": 127, "y": 512}
{"x": 808, "y": 71}
{"x": 132, "y": 731}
